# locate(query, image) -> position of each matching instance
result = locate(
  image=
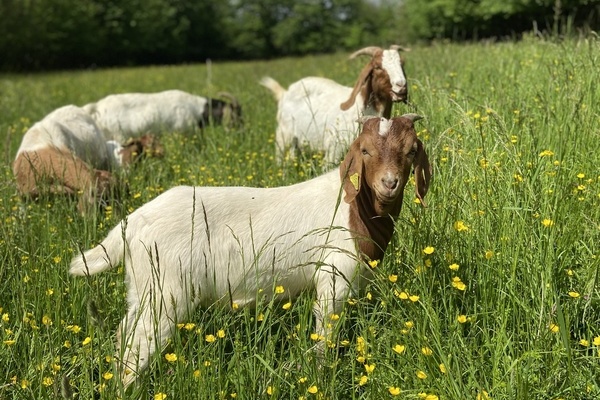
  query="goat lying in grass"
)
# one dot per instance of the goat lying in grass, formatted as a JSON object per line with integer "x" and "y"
{"x": 321, "y": 114}
{"x": 194, "y": 246}
{"x": 65, "y": 153}
{"x": 129, "y": 115}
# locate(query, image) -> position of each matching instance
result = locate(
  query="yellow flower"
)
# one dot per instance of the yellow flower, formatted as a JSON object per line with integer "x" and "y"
{"x": 107, "y": 375}
{"x": 334, "y": 317}
{"x": 581, "y": 175}
{"x": 269, "y": 390}
{"x": 554, "y": 328}
{"x": 316, "y": 337}
{"x": 47, "y": 381}
{"x": 46, "y": 320}
{"x": 279, "y": 289}
{"x": 221, "y": 333}
{"x": 196, "y": 373}
{"x": 369, "y": 368}
{"x": 574, "y": 294}
{"x": 399, "y": 348}
{"x": 461, "y": 319}
{"x": 402, "y": 295}
{"x": 189, "y": 326}
{"x": 363, "y": 380}
{"x": 160, "y": 396}
{"x": 9, "y": 342}
{"x": 287, "y": 305}
{"x": 596, "y": 341}
{"x": 443, "y": 369}
{"x": 394, "y": 390}
{"x": 483, "y": 395}
{"x": 210, "y": 338}
{"x": 302, "y": 380}
{"x": 414, "y": 298}
{"x": 454, "y": 267}
{"x": 547, "y": 222}
{"x": 171, "y": 357}
{"x": 428, "y": 250}
{"x": 312, "y": 389}
{"x": 460, "y": 226}
{"x": 546, "y": 153}
{"x": 67, "y": 344}
{"x": 458, "y": 284}
{"x": 489, "y": 254}
{"x": 373, "y": 263}
{"x": 421, "y": 375}
{"x": 584, "y": 342}
{"x": 393, "y": 278}
{"x": 86, "y": 341}
{"x": 426, "y": 351}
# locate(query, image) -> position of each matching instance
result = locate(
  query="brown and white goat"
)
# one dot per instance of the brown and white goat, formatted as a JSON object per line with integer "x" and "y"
{"x": 66, "y": 154}
{"x": 194, "y": 246}
{"x": 320, "y": 114}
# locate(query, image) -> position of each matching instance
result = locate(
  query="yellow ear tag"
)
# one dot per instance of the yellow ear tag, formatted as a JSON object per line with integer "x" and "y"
{"x": 354, "y": 179}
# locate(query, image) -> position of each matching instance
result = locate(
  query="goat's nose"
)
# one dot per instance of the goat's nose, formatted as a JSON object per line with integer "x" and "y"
{"x": 390, "y": 183}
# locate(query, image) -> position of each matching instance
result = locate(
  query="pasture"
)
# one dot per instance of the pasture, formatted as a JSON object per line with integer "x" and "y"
{"x": 492, "y": 292}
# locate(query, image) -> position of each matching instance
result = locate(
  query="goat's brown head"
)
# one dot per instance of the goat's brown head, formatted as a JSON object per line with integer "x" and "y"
{"x": 135, "y": 148}
{"x": 381, "y": 82}
{"x": 379, "y": 163}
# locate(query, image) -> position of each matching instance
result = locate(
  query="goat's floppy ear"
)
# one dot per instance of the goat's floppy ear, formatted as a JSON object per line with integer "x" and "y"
{"x": 351, "y": 172}
{"x": 362, "y": 78}
{"x": 422, "y": 172}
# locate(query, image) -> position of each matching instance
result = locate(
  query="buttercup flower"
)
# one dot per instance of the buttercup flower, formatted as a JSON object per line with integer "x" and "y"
{"x": 394, "y": 391}
{"x": 429, "y": 250}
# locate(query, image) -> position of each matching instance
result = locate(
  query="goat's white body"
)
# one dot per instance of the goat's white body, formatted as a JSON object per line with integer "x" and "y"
{"x": 70, "y": 128}
{"x": 128, "y": 115}
{"x": 309, "y": 112}
{"x": 204, "y": 245}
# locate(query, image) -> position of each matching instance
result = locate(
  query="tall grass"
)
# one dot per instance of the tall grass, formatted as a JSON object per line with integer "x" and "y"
{"x": 490, "y": 292}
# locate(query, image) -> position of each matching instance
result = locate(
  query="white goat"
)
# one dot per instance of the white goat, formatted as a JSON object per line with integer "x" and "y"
{"x": 322, "y": 114}
{"x": 232, "y": 245}
{"x": 65, "y": 153}
{"x": 129, "y": 115}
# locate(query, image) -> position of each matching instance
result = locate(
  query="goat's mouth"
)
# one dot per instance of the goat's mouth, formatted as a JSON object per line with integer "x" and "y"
{"x": 400, "y": 96}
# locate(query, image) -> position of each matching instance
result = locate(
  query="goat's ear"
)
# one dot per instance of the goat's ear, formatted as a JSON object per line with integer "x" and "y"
{"x": 362, "y": 78}
{"x": 422, "y": 172}
{"x": 351, "y": 171}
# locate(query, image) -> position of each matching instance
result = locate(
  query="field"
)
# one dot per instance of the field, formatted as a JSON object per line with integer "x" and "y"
{"x": 492, "y": 292}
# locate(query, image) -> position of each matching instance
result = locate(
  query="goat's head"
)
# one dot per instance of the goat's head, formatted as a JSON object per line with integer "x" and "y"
{"x": 382, "y": 78}
{"x": 379, "y": 163}
{"x": 231, "y": 113}
{"x": 136, "y": 148}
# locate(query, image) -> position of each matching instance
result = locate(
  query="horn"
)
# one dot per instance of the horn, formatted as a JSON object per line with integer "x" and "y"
{"x": 230, "y": 97}
{"x": 366, "y": 51}
{"x": 412, "y": 117}
{"x": 397, "y": 47}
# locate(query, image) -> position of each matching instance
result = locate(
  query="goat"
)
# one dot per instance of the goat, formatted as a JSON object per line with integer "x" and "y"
{"x": 128, "y": 115}
{"x": 65, "y": 153}
{"x": 194, "y": 246}
{"x": 321, "y": 114}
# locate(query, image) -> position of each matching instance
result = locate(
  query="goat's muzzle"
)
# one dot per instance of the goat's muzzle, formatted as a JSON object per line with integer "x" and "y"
{"x": 401, "y": 95}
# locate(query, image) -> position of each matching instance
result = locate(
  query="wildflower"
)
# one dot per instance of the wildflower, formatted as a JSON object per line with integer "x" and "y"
{"x": 454, "y": 267}
{"x": 287, "y": 305}
{"x": 67, "y": 344}
{"x": 57, "y": 259}
{"x": 426, "y": 351}
{"x": 401, "y": 295}
{"x": 554, "y": 328}
{"x": 171, "y": 357}
{"x": 584, "y": 342}
{"x": 5, "y": 317}
{"x": 409, "y": 324}
{"x": 362, "y": 380}
{"x": 196, "y": 374}
{"x": 312, "y": 389}
{"x": 421, "y": 375}
{"x": 316, "y": 337}
{"x": 47, "y": 381}
{"x": 461, "y": 319}
{"x": 260, "y": 317}
{"x": 547, "y": 153}
{"x": 596, "y": 341}
{"x": 210, "y": 338}
{"x": 581, "y": 175}
{"x": 107, "y": 375}
{"x": 49, "y": 292}
{"x": 393, "y": 278}
{"x": 269, "y": 390}
{"x": 302, "y": 380}
{"x": 458, "y": 284}
{"x": 489, "y": 254}
{"x": 220, "y": 333}
{"x": 460, "y": 226}
{"x": 428, "y": 250}
{"x": 399, "y": 348}
{"x": 414, "y": 298}
{"x": 279, "y": 289}
{"x": 9, "y": 342}
{"x": 547, "y": 222}
{"x": 574, "y": 294}
{"x": 394, "y": 390}
{"x": 443, "y": 369}
{"x": 46, "y": 320}
{"x": 483, "y": 395}
{"x": 235, "y": 306}
{"x": 86, "y": 341}
{"x": 373, "y": 263}
{"x": 160, "y": 396}
{"x": 369, "y": 368}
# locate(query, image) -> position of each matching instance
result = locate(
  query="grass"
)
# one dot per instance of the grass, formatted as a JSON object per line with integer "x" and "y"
{"x": 493, "y": 291}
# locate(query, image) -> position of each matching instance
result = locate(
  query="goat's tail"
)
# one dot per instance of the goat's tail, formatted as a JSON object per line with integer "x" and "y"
{"x": 102, "y": 257}
{"x": 273, "y": 86}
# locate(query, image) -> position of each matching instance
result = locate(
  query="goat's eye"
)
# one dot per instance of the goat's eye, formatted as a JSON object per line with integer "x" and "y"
{"x": 412, "y": 153}
{"x": 364, "y": 152}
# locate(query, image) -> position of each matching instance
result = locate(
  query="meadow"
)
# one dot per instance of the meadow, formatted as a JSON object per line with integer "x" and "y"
{"x": 491, "y": 292}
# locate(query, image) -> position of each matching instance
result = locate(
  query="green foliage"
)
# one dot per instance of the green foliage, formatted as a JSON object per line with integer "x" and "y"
{"x": 492, "y": 292}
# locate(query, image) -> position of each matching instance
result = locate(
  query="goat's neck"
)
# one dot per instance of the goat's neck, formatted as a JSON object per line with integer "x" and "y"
{"x": 371, "y": 231}
{"x": 373, "y": 105}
